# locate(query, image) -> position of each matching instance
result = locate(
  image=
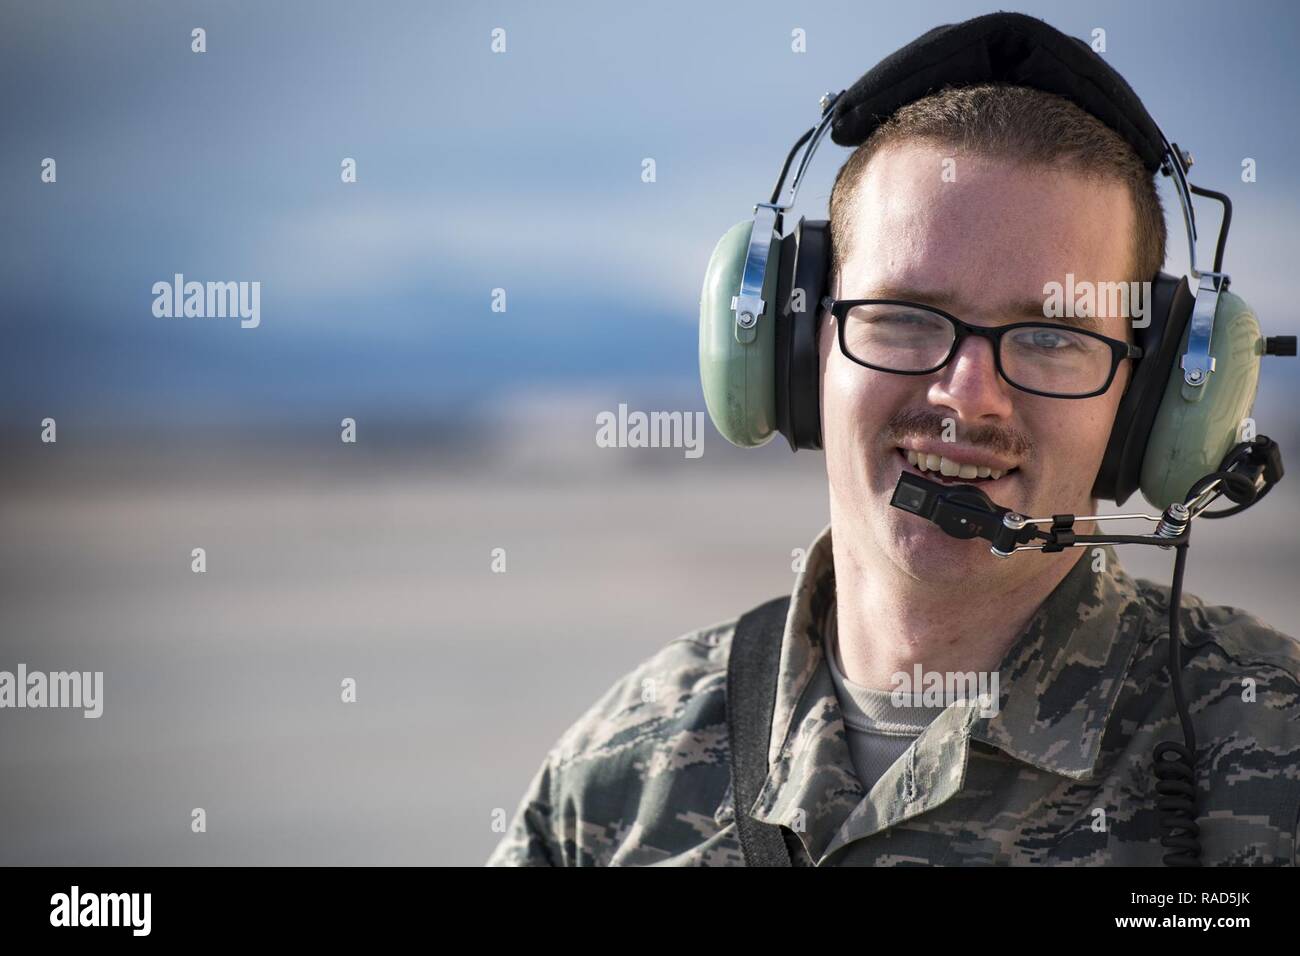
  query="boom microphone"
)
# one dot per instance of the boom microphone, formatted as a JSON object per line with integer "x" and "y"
{"x": 1246, "y": 474}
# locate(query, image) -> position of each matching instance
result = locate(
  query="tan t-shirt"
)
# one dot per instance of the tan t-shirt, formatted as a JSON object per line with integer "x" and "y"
{"x": 878, "y": 731}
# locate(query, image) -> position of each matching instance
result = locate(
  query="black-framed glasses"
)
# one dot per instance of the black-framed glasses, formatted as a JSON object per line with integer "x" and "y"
{"x": 1042, "y": 358}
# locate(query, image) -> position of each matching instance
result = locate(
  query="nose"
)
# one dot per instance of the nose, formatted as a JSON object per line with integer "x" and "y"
{"x": 971, "y": 386}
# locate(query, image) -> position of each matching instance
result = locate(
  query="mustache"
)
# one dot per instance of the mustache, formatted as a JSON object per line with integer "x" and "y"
{"x": 923, "y": 423}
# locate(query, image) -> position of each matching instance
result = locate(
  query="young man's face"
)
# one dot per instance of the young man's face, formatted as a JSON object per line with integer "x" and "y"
{"x": 979, "y": 247}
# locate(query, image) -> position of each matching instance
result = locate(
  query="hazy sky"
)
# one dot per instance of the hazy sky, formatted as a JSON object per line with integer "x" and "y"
{"x": 477, "y": 170}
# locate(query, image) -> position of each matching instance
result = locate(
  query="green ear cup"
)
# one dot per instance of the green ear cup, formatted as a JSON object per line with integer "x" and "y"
{"x": 738, "y": 377}
{"x": 1195, "y": 428}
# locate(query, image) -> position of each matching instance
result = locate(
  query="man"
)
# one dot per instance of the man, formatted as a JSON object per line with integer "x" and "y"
{"x": 970, "y": 200}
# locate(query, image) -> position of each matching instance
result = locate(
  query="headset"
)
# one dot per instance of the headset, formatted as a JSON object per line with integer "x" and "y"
{"x": 1176, "y": 434}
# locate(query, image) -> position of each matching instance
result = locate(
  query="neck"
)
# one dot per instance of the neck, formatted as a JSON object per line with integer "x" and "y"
{"x": 889, "y": 621}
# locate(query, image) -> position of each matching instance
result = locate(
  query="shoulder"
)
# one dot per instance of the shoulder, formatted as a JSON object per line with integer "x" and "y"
{"x": 1226, "y": 640}
{"x": 1241, "y": 681}
{"x": 680, "y": 689}
{"x": 643, "y": 775}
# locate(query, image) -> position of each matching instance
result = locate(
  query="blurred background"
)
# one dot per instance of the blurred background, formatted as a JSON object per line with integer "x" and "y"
{"x": 475, "y": 428}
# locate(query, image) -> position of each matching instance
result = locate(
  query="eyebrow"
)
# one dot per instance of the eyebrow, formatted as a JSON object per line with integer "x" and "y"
{"x": 945, "y": 299}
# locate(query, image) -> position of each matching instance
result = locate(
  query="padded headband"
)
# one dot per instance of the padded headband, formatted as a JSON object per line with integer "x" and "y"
{"x": 998, "y": 48}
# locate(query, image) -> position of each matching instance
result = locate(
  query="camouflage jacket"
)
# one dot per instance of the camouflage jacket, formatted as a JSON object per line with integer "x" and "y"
{"x": 1060, "y": 775}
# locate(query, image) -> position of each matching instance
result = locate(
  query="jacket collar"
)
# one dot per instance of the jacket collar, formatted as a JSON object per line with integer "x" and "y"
{"x": 1060, "y": 681}
{"x": 1058, "y": 686}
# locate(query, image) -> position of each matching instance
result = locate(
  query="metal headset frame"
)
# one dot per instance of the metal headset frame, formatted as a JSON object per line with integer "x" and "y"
{"x": 1197, "y": 363}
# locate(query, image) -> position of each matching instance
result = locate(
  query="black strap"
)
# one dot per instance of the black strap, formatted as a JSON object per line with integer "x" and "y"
{"x": 751, "y": 697}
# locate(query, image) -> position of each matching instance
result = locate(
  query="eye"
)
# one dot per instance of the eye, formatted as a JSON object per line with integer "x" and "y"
{"x": 1046, "y": 339}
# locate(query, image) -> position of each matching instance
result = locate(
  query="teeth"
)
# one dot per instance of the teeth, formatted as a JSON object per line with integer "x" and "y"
{"x": 949, "y": 468}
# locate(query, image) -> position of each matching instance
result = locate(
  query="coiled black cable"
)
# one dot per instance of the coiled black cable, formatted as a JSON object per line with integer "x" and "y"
{"x": 1175, "y": 763}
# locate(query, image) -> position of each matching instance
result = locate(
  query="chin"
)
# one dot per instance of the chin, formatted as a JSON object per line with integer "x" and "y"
{"x": 924, "y": 552}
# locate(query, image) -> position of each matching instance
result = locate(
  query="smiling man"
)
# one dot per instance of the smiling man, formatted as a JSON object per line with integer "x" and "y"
{"x": 932, "y": 210}
{"x": 936, "y": 357}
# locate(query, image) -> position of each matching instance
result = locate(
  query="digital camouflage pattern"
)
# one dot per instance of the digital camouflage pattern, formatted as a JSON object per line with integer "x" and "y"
{"x": 1061, "y": 775}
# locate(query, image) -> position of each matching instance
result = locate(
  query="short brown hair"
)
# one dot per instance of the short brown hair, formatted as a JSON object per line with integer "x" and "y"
{"x": 1028, "y": 125}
